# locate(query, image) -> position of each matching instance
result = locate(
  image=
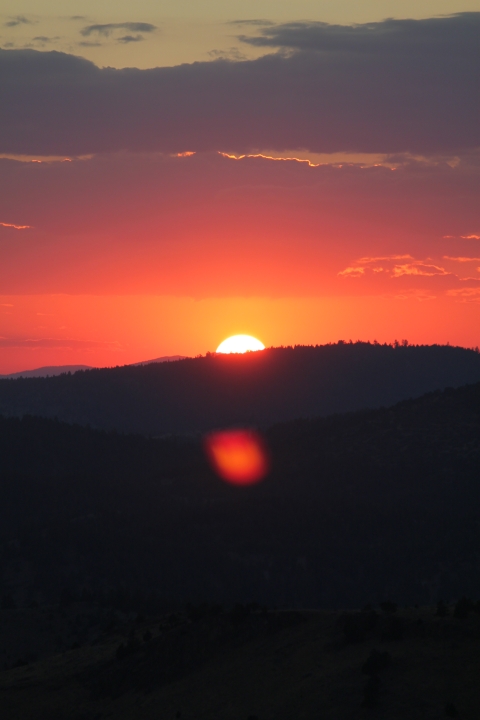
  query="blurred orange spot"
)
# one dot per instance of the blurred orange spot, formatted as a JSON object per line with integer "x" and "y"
{"x": 238, "y": 456}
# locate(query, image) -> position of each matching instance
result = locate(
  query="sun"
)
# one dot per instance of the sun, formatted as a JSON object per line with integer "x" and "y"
{"x": 240, "y": 344}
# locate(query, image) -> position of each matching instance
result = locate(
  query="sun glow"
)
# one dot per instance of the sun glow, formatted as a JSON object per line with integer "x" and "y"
{"x": 240, "y": 344}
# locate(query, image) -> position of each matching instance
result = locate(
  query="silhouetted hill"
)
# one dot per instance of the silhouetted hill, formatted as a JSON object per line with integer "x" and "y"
{"x": 358, "y": 508}
{"x": 257, "y": 388}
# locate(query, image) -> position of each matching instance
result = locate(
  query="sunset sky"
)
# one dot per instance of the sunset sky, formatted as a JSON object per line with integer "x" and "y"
{"x": 172, "y": 173}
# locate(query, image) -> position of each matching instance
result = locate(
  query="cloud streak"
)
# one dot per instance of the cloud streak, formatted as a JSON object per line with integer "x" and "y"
{"x": 58, "y": 343}
{"x": 389, "y": 87}
{"x": 18, "y": 20}
{"x": 107, "y": 29}
{"x": 15, "y": 227}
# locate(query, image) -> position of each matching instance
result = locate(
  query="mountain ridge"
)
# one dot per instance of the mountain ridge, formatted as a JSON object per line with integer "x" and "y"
{"x": 275, "y": 385}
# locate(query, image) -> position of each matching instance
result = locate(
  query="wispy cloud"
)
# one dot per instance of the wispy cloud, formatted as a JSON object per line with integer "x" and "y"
{"x": 462, "y": 237}
{"x": 461, "y": 259}
{"x": 255, "y": 22}
{"x": 390, "y": 266}
{"x": 18, "y": 20}
{"x": 418, "y": 268}
{"x": 471, "y": 294}
{"x": 130, "y": 39}
{"x": 60, "y": 343}
{"x": 107, "y": 29}
{"x": 15, "y": 227}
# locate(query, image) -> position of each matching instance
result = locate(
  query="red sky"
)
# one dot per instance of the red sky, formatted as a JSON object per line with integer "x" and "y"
{"x": 131, "y": 252}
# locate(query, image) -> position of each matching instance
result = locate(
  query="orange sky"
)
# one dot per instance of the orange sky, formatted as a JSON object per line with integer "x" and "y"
{"x": 111, "y": 330}
{"x": 131, "y": 257}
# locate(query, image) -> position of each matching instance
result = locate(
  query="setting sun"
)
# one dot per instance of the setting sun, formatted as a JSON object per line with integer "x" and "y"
{"x": 240, "y": 344}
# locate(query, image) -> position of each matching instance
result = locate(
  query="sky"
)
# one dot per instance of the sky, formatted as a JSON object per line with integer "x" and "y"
{"x": 181, "y": 172}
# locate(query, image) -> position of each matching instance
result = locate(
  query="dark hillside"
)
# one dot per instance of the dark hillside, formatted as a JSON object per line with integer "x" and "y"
{"x": 258, "y": 388}
{"x": 358, "y": 508}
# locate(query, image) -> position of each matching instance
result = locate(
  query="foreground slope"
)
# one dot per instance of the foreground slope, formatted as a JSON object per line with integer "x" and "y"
{"x": 258, "y": 388}
{"x": 244, "y": 664}
{"x": 358, "y": 508}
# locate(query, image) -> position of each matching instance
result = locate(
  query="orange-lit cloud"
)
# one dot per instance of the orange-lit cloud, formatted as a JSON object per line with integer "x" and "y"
{"x": 418, "y": 268}
{"x": 395, "y": 270}
{"x": 461, "y": 259}
{"x": 466, "y": 294}
{"x": 15, "y": 227}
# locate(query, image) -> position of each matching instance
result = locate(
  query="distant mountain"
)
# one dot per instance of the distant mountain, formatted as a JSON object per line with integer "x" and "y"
{"x": 54, "y": 370}
{"x": 45, "y": 371}
{"x": 358, "y": 508}
{"x": 278, "y": 384}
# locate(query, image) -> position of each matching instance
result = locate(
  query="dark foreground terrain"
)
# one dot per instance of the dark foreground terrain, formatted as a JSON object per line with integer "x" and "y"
{"x": 278, "y": 384}
{"x": 358, "y": 508}
{"x": 246, "y": 663}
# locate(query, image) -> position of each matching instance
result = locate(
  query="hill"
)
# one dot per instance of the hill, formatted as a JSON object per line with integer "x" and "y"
{"x": 264, "y": 388}
{"x": 358, "y": 508}
{"x": 243, "y": 664}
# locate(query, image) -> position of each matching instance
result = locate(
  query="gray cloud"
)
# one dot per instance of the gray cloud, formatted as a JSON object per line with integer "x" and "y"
{"x": 421, "y": 38}
{"x": 255, "y": 22}
{"x": 130, "y": 38}
{"x": 392, "y": 87}
{"x": 18, "y": 20}
{"x": 107, "y": 29}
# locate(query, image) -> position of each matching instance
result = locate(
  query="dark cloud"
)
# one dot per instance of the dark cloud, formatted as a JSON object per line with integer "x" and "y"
{"x": 420, "y": 38}
{"x": 130, "y": 38}
{"x": 107, "y": 29}
{"x": 232, "y": 53}
{"x": 19, "y": 20}
{"x": 43, "y": 39}
{"x": 398, "y": 86}
{"x": 255, "y": 22}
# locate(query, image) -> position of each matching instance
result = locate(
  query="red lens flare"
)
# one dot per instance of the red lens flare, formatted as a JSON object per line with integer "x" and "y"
{"x": 239, "y": 457}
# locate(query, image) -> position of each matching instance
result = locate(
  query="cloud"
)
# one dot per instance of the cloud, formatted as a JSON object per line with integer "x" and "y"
{"x": 461, "y": 259}
{"x": 392, "y": 87}
{"x": 470, "y": 294}
{"x": 107, "y": 29}
{"x": 18, "y": 20}
{"x": 393, "y": 269}
{"x": 388, "y": 38}
{"x": 15, "y": 227}
{"x": 130, "y": 38}
{"x": 256, "y": 22}
{"x": 418, "y": 268}
{"x": 59, "y": 343}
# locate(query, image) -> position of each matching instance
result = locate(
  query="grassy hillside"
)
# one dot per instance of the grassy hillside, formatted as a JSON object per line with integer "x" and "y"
{"x": 258, "y": 388}
{"x": 250, "y": 664}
